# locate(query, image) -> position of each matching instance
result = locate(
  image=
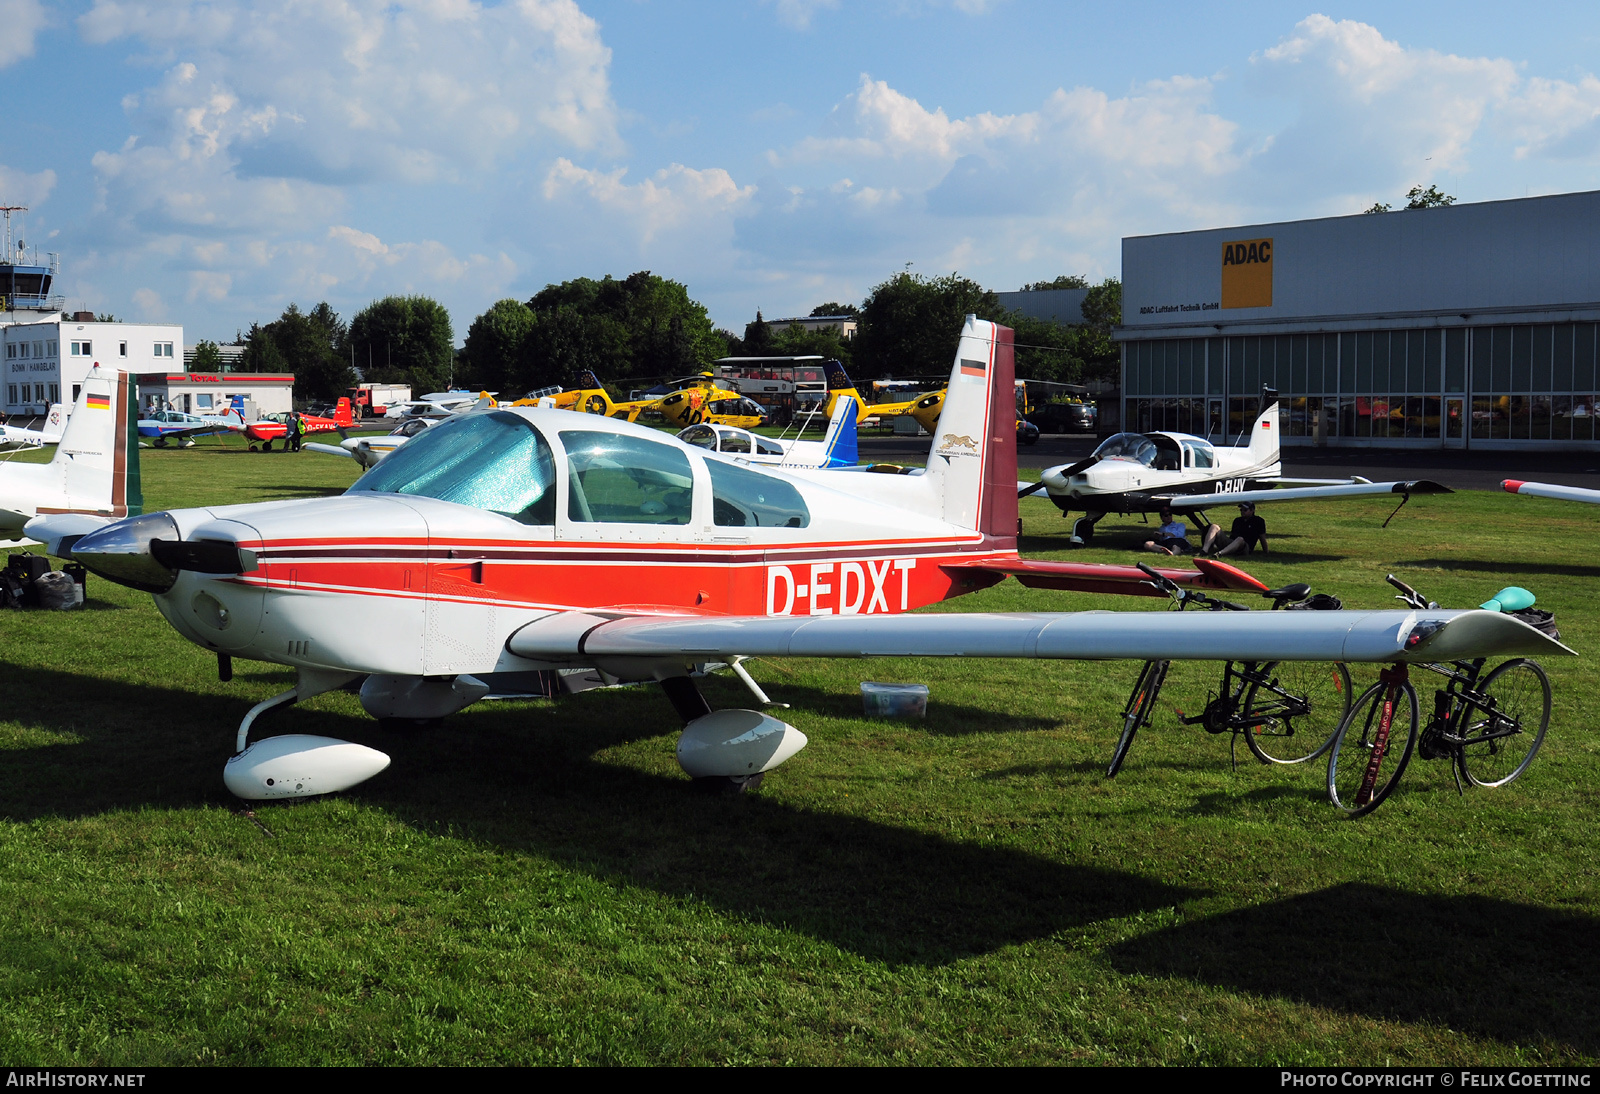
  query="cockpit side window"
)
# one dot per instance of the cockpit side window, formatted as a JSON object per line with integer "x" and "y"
{"x": 765, "y": 447}
{"x": 701, "y": 436}
{"x": 617, "y": 479}
{"x": 1204, "y": 454}
{"x": 495, "y": 461}
{"x": 734, "y": 441}
{"x": 745, "y": 498}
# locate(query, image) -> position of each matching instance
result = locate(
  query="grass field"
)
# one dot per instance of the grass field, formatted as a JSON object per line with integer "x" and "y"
{"x": 535, "y": 882}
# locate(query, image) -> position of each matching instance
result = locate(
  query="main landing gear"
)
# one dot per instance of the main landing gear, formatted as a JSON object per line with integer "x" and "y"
{"x": 729, "y": 751}
{"x": 1083, "y": 528}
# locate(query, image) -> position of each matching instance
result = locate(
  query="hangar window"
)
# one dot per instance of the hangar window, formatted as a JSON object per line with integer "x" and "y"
{"x": 497, "y": 461}
{"x": 614, "y": 478}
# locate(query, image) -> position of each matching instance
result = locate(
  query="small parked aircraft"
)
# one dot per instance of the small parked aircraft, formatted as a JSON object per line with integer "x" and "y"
{"x": 93, "y": 478}
{"x": 508, "y": 542}
{"x": 1148, "y": 472}
{"x": 161, "y": 426}
{"x": 265, "y": 431}
{"x": 837, "y": 448}
{"x": 16, "y": 439}
{"x": 435, "y": 403}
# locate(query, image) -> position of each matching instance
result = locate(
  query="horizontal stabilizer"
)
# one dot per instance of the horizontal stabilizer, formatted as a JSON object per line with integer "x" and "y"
{"x": 1367, "y": 636}
{"x": 1298, "y": 493}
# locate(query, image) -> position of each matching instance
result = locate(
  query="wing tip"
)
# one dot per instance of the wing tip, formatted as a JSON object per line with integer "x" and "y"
{"x": 1513, "y": 486}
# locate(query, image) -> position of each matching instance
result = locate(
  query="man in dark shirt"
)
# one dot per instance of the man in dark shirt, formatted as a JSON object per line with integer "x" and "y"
{"x": 1247, "y": 531}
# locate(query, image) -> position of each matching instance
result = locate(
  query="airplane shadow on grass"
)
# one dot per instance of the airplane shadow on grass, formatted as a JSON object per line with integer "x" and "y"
{"x": 1519, "y": 974}
{"x": 527, "y": 777}
{"x": 1131, "y": 539}
{"x": 1554, "y": 569}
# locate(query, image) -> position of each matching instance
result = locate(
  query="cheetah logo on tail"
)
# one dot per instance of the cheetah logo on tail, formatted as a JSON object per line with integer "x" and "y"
{"x": 954, "y": 442}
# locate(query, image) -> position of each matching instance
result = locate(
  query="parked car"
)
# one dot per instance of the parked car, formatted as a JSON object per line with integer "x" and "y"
{"x": 1064, "y": 417}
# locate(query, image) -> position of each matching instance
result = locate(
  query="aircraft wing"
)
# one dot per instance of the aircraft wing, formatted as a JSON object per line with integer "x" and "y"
{"x": 1352, "y": 636}
{"x": 1087, "y": 577}
{"x": 1296, "y": 493}
{"x": 329, "y": 449}
{"x": 1550, "y": 490}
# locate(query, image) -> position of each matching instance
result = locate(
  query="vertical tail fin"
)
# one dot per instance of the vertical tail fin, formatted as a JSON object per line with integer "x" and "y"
{"x": 98, "y": 456}
{"x": 839, "y": 446}
{"x": 341, "y": 414}
{"x": 973, "y": 458}
{"x": 839, "y": 386}
{"x": 1264, "y": 436}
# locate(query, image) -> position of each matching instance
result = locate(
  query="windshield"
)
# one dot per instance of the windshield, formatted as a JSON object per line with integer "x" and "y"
{"x": 1128, "y": 446}
{"x": 494, "y": 461}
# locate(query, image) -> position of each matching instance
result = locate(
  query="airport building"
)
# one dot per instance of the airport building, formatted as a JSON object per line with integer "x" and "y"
{"x": 47, "y": 354}
{"x": 1454, "y": 327}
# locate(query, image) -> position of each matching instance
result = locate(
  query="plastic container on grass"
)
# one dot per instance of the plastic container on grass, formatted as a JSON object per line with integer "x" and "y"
{"x": 894, "y": 700}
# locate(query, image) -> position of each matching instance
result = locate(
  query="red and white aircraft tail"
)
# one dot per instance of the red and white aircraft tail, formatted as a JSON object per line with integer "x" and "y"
{"x": 972, "y": 462}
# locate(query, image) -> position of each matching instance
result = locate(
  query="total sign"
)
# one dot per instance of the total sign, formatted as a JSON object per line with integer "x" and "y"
{"x": 868, "y": 587}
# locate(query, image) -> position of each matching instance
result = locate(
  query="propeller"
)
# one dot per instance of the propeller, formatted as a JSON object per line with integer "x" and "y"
{"x": 147, "y": 553}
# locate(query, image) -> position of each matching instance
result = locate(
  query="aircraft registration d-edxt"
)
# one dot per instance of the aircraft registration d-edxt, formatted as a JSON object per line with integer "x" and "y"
{"x": 508, "y": 541}
{"x": 1148, "y": 472}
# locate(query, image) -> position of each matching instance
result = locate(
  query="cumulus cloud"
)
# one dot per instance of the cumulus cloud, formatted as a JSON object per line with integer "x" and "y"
{"x": 23, "y": 188}
{"x": 245, "y": 157}
{"x": 1555, "y": 118}
{"x": 1371, "y": 110}
{"x": 361, "y": 90}
{"x": 21, "y": 20}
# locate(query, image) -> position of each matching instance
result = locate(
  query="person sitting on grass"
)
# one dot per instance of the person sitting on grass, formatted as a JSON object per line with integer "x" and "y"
{"x": 1171, "y": 538}
{"x": 1247, "y": 531}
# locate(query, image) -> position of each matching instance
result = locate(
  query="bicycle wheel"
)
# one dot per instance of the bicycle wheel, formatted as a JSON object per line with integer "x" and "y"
{"x": 1499, "y": 743}
{"x": 1362, "y": 771}
{"x": 1141, "y": 702}
{"x": 1305, "y": 702}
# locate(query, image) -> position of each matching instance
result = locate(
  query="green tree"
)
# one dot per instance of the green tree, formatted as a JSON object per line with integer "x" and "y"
{"x": 407, "y": 339}
{"x": 641, "y": 325}
{"x": 261, "y": 352}
{"x": 1102, "y": 314}
{"x": 910, "y": 324}
{"x": 835, "y": 308}
{"x": 1065, "y": 281}
{"x": 1417, "y": 198}
{"x": 207, "y": 357}
{"x": 497, "y": 342}
{"x": 1431, "y": 198}
{"x": 795, "y": 341}
{"x": 758, "y": 340}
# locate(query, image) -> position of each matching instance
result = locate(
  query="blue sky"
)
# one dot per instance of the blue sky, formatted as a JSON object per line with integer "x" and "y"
{"x": 207, "y": 161}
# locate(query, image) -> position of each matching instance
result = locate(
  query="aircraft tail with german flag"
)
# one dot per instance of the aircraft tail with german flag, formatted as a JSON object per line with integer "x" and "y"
{"x": 94, "y": 474}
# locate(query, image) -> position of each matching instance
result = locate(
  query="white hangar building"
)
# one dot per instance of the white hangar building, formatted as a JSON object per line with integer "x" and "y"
{"x": 1455, "y": 327}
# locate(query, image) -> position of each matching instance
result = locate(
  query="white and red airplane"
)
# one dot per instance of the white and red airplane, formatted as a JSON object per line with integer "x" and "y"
{"x": 93, "y": 478}
{"x": 1148, "y": 472}
{"x": 516, "y": 540}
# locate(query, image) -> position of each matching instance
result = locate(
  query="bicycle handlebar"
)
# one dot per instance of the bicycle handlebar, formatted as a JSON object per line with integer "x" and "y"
{"x": 1412, "y": 598}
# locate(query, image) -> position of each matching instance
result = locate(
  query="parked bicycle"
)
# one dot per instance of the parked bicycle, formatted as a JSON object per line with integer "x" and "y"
{"x": 1490, "y": 725}
{"x": 1288, "y": 712}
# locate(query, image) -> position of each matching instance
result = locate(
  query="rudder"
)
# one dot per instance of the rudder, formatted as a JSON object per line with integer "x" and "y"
{"x": 973, "y": 457}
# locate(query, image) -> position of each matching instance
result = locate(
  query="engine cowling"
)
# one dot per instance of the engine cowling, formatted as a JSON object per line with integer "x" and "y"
{"x": 736, "y": 743}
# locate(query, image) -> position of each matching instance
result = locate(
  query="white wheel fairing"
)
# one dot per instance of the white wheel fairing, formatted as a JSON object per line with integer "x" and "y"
{"x": 298, "y": 765}
{"x": 735, "y": 743}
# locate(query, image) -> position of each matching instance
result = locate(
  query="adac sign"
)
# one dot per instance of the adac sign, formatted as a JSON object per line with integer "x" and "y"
{"x": 1247, "y": 274}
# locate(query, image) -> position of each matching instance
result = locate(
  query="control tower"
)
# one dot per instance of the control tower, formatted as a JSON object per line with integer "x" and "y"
{"x": 25, "y": 285}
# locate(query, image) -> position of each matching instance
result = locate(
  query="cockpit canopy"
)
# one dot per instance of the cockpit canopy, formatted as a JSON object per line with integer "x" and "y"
{"x": 500, "y": 462}
{"x": 1158, "y": 451}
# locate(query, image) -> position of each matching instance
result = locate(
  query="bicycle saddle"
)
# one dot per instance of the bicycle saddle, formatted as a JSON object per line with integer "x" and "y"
{"x": 1298, "y": 591}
